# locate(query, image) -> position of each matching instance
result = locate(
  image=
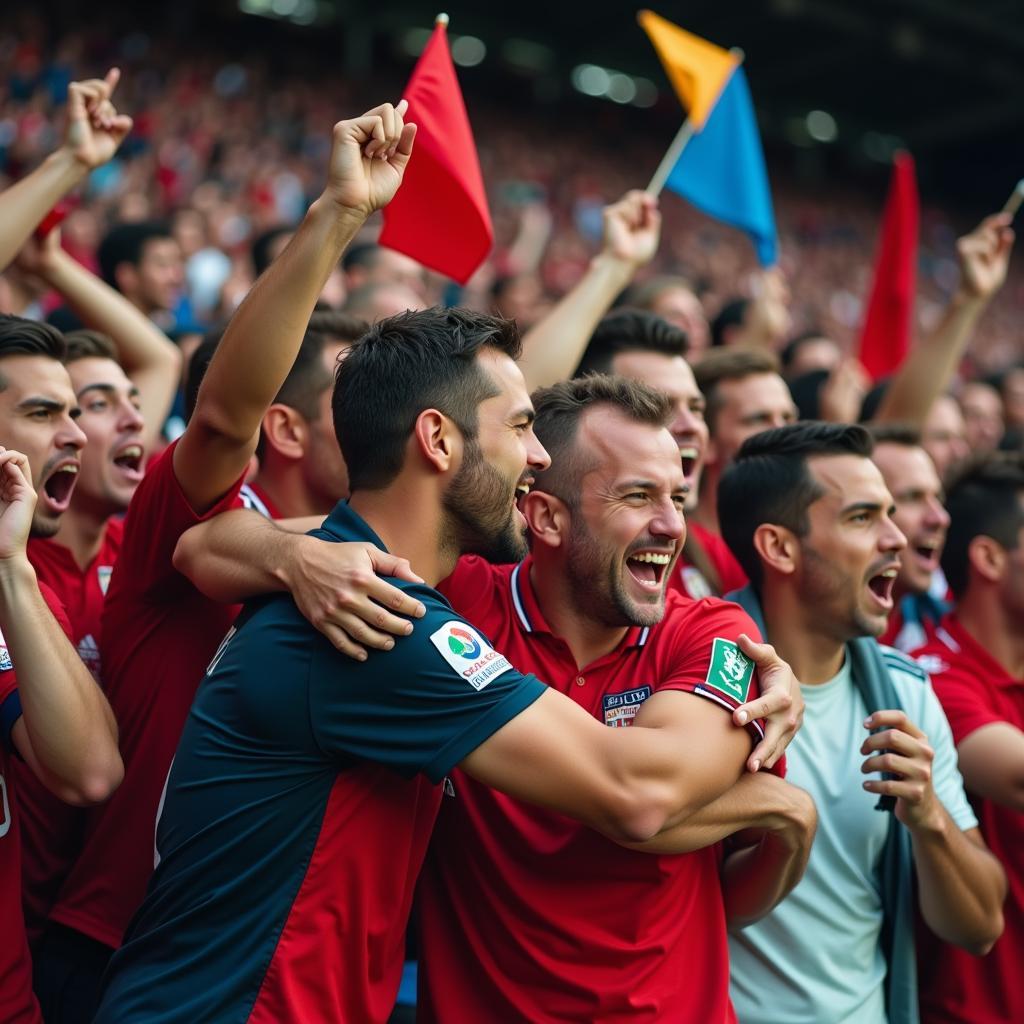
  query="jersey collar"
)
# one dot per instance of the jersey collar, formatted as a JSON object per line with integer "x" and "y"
{"x": 530, "y": 617}
{"x": 345, "y": 524}
{"x": 953, "y": 635}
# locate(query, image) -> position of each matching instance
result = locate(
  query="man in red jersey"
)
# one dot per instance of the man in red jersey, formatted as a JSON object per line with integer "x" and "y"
{"x": 976, "y": 662}
{"x": 53, "y": 715}
{"x": 524, "y": 914}
{"x": 158, "y": 633}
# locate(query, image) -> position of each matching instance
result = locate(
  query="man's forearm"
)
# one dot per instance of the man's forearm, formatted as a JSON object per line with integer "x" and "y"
{"x": 553, "y": 348}
{"x": 26, "y": 203}
{"x": 146, "y": 355}
{"x": 758, "y": 878}
{"x": 69, "y": 725}
{"x": 926, "y": 372}
{"x": 961, "y": 884}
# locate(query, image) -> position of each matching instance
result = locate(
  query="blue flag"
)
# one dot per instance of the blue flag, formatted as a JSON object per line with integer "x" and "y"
{"x": 722, "y": 170}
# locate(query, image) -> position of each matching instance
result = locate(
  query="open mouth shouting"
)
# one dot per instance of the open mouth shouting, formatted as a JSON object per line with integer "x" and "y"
{"x": 880, "y": 585}
{"x": 57, "y": 487}
{"x": 926, "y": 554}
{"x": 648, "y": 568}
{"x": 690, "y": 456}
{"x": 128, "y": 459}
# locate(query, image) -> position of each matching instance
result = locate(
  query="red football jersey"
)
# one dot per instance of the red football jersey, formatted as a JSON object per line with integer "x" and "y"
{"x": 17, "y": 1003}
{"x": 975, "y": 690}
{"x": 158, "y": 635}
{"x": 526, "y": 915}
{"x": 687, "y": 578}
{"x": 51, "y": 830}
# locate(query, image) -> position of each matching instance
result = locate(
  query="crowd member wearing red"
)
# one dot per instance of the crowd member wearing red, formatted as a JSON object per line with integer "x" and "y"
{"x": 590, "y": 612}
{"x": 55, "y": 719}
{"x": 158, "y": 633}
{"x": 920, "y": 589}
{"x": 976, "y": 661}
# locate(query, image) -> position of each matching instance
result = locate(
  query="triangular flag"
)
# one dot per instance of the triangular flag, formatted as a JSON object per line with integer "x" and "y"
{"x": 885, "y": 338}
{"x": 722, "y": 170}
{"x": 697, "y": 69}
{"x": 440, "y": 216}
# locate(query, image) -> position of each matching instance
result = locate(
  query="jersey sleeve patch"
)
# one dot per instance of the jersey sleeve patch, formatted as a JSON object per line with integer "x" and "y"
{"x": 730, "y": 672}
{"x": 5, "y": 658}
{"x": 468, "y": 653}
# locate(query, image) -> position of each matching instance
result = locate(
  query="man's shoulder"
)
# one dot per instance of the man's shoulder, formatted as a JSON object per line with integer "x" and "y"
{"x": 902, "y": 668}
{"x": 709, "y": 614}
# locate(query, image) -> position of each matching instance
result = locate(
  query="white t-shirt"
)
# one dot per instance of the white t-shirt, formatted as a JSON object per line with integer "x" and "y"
{"x": 816, "y": 958}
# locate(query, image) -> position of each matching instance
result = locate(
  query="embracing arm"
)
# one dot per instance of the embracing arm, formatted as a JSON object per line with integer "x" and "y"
{"x": 992, "y": 764}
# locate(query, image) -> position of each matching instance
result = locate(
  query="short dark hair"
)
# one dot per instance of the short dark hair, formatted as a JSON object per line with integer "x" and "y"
{"x": 768, "y": 482}
{"x": 404, "y": 364}
{"x": 726, "y": 364}
{"x": 805, "y": 391}
{"x": 906, "y": 435}
{"x": 124, "y": 243}
{"x": 984, "y": 497}
{"x": 263, "y": 246}
{"x": 559, "y": 409}
{"x": 88, "y": 344}
{"x": 645, "y": 294}
{"x": 362, "y": 254}
{"x": 21, "y": 337}
{"x": 630, "y": 330}
{"x": 730, "y": 315}
{"x": 337, "y": 326}
{"x": 789, "y": 351}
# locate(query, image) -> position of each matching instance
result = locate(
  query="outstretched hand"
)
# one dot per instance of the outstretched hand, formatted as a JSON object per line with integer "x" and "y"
{"x": 17, "y": 503}
{"x": 369, "y": 157}
{"x": 632, "y": 228}
{"x": 95, "y": 128}
{"x": 985, "y": 256}
{"x": 781, "y": 704}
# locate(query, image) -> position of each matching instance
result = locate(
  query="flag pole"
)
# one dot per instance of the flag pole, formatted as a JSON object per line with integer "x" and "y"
{"x": 683, "y": 136}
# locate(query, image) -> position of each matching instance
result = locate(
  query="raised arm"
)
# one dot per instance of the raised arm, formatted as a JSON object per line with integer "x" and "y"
{"x": 927, "y": 371}
{"x": 552, "y": 348}
{"x": 94, "y": 132}
{"x": 240, "y": 554}
{"x": 368, "y": 159}
{"x": 148, "y": 357}
{"x": 66, "y": 733}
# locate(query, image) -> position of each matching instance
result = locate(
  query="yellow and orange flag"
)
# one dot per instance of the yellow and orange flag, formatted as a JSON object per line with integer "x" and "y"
{"x": 697, "y": 69}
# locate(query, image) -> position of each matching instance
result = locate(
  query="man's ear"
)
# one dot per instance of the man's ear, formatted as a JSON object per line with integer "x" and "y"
{"x": 777, "y": 547}
{"x": 438, "y": 440}
{"x": 987, "y": 557}
{"x": 285, "y": 431}
{"x": 548, "y": 517}
{"x": 126, "y": 277}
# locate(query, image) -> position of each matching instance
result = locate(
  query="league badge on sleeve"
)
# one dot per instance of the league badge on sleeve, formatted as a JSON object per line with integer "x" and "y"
{"x": 469, "y": 653}
{"x": 730, "y": 671}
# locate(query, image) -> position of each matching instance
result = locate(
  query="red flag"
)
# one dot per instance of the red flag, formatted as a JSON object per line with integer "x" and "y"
{"x": 885, "y": 338}
{"x": 439, "y": 216}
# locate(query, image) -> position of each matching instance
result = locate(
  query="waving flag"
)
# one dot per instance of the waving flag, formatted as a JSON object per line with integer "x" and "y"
{"x": 885, "y": 337}
{"x": 440, "y": 215}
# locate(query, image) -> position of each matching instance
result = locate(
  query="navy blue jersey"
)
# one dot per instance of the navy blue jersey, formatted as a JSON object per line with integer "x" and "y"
{"x": 297, "y": 813}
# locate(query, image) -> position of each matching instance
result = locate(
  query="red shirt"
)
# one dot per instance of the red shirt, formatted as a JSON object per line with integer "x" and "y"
{"x": 255, "y": 497}
{"x": 975, "y": 690}
{"x": 158, "y": 635}
{"x": 51, "y": 830}
{"x": 526, "y": 915}
{"x": 689, "y": 581}
{"x": 17, "y": 1003}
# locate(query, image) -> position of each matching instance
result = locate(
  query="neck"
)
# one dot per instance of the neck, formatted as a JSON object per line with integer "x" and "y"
{"x": 418, "y": 538}
{"x": 587, "y": 639}
{"x": 20, "y": 298}
{"x": 706, "y": 510}
{"x": 81, "y": 532}
{"x": 290, "y": 494}
{"x": 814, "y": 655}
{"x": 1002, "y": 635}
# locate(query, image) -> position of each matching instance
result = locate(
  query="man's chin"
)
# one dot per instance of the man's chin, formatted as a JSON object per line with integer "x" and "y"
{"x": 44, "y": 526}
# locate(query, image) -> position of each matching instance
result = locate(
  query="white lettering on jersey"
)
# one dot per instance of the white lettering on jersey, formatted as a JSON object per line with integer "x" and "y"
{"x": 469, "y": 653}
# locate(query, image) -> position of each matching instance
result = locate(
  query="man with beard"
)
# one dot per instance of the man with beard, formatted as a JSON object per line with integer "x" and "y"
{"x": 510, "y": 891}
{"x": 321, "y": 774}
{"x": 809, "y": 517}
{"x": 920, "y": 588}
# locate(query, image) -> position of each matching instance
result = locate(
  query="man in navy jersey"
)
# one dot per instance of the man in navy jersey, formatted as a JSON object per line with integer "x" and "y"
{"x": 305, "y": 787}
